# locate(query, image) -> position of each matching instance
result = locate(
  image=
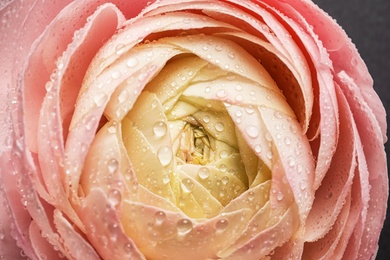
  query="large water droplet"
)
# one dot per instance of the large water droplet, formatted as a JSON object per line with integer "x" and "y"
{"x": 132, "y": 62}
{"x": 219, "y": 126}
{"x": 225, "y": 180}
{"x": 165, "y": 155}
{"x": 203, "y": 173}
{"x": 252, "y": 131}
{"x": 160, "y": 129}
{"x": 166, "y": 179}
{"x": 221, "y": 225}
{"x": 160, "y": 217}
{"x": 114, "y": 197}
{"x": 184, "y": 226}
{"x": 123, "y": 96}
{"x": 99, "y": 99}
{"x": 113, "y": 165}
{"x": 187, "y": 185}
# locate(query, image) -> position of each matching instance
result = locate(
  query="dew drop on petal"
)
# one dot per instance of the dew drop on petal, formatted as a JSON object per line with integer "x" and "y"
{"x": 223, "y": 154}
{"x": 114, "y": 197}
{"x": 225, "y": 180}
{"x": 287, "y": 140}
{"x": 128, "y": 248}
{"x": 250, "y": 110}
{"x": 279, "y": 196}
{"x": 277, "y": 114}
{"x": 184, "y": 226}
{"x": 113, "y": 165}
{"x": 115, "y": 74}
{"x": 203, "y": 173}
{"x": 99, "y": 99}
{"x": 120, "y": 49}
{"x": 164, "y": 155}
{"x": 160, "y": 129}
{"x": 221, "y": 225}
{"x": 258, "y": 148}
{"x": 219, "y": 126}
{"x": 166, "y": 179}
{"x": 251, "y": 196}
{"x": 206, "y": 119}
{"x": 132, "y": 62}
{"x": 123, "y": 96}
{"x": 221, "y": 93}
{"x": 160, "y": 217}
{"x": 252, "y": 131}
{"x": 187, "y": 185}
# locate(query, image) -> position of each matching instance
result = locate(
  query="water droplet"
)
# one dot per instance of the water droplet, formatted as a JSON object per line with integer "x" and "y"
{"x": 302, "y": 184}
{"x": 203, "y": 173}
{"x": 120, "y": 49}
{"x": 277, "y": 114}
{"x": 99, "y": 99}
{"x": 287, "y": 140}
{"x": 132, "y": 62}
{"x": 252, "y": 131}
{"x": 218, "y": 48}
{"x": 221, "y": 224}
{"x": 270, "y": 155}
{"x": 223, "y": 154}
{"x": 187, "y": 185}
{"x": 160, "y": 217}
{"x": 291, "y": 162}
{"x": 219, "y": 126}
{"x": 166, "y": 179}
{"x": 251, "y": 196}
{"x": 160, "y": 129}
{"x": 113, "y": 165}
{"x": 142, "y": 77}
{"x": 205, "y": 47}
{"x": 114, "y": 197}
{"x": 225, "y": 180}
{"x": 239, "y": 98}
{"x": 250, "y": 110}
{"x": 206, "y": 119}
{"x": 184, "y": 226}
{"x": 123, "y": 96}
{"x": 279, "y": 196}
{"x": 223, "y": 168}
{"x": 116, "y": 74}
{"x": 231, "y": 55}
{"x": 329, "y": 195}
{"x": 128, "y": 248}
{"x": 221, "y": 93}
{"x": 165, "y": 155}
{"x": 207, "y": 90}
{"x": 258, "y": 148}
{"x": 293, "y": 129}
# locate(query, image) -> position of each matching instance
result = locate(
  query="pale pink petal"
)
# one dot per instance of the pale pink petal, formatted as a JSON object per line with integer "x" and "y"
{"x": 330, "y": 196}
{"x": 372, "y": 165}
{"x": 74, "y": 243}
{"x": 51, "y": 152}
{"x": 41, "y": 246}
{"x": 104, "y": 228}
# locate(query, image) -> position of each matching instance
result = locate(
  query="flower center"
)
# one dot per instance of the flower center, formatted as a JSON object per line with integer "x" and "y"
{"x": 195, "y": 147}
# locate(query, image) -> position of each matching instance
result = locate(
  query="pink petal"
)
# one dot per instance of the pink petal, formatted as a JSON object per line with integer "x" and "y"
{"x": 104, "y": 228}
{"x": 372, "y": 165}
{"x": 330, "y": 196}
{"x": 74, "y": 243}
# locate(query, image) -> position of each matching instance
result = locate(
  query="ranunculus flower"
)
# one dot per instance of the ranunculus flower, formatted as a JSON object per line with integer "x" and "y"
{"x": 186, "y": 129}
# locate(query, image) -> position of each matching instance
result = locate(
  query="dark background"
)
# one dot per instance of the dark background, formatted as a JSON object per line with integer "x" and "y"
{"x": 367, "y": 22}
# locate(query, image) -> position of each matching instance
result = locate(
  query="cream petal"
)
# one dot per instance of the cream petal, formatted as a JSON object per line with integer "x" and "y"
{"x": 161, "y": 234}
